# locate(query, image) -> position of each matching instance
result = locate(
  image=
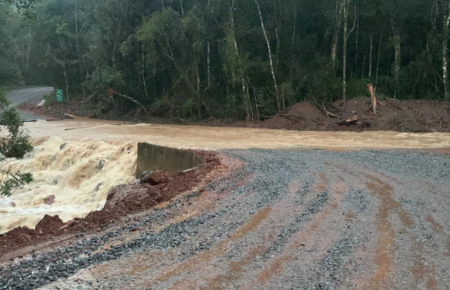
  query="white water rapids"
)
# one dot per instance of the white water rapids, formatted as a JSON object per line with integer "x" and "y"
{"x": 72, "y": 174}
{"x": 78, "y": 173}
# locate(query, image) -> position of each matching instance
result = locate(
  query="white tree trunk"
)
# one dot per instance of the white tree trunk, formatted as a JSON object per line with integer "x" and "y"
{"x": 347, "y": 33}
{"x": 269, "y": 49}
{"x": 378, "y": 60}
{"x": 337, "y": 29}
{"x": 182, "y": 7}
{"x": 445, "y": 54}
{"x": 245, "y": 93}
{"x": 371, "y": 56}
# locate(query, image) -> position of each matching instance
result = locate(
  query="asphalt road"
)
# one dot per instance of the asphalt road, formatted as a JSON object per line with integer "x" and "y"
{"x": 285, "y": 220}
{"x": 30, "y": 95}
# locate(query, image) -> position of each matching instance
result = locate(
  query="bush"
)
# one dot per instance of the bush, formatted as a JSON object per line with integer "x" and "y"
{"x": 50, "y": 99}
{"x": 15, "y": 146}
{"x": 14, "y": 181}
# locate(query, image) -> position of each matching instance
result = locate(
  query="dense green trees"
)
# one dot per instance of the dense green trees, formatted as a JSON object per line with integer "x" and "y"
{"x": 228, "y": 58}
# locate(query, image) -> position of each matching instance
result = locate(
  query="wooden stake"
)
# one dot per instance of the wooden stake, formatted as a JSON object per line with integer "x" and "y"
{"x": 374, "y": 103}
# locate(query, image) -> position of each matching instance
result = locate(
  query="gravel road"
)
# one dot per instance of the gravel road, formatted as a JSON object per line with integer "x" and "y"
{"x": 30, "y": 95}
{"x": 308, "y": 219}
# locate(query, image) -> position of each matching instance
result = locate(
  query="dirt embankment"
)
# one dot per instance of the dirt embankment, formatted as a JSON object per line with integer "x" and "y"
{"x": 392, "y": 115}
{"x": 122, "y": 201}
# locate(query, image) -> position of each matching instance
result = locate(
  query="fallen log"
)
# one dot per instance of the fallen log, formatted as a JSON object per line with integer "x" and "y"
{"x": 113, "y": 92}
{"x": 349, "y": 121}
{"x": 69, "y": 116}
{"x": 391, "y": 103}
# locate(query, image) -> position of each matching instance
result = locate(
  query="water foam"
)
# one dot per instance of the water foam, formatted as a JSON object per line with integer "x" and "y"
{"x": 78, "y": 173}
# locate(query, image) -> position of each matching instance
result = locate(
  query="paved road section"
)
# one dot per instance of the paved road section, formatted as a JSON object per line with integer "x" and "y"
{"x": 285, "y": 220}
{"x": 30, "y": 95}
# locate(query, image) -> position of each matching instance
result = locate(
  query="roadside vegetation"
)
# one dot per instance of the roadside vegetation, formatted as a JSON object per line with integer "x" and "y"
{"x": 240, "y": 59}
{"x": 16, "y": 145}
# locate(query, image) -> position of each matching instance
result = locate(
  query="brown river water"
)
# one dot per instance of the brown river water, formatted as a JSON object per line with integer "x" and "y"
{"x": 79, "y": 161}
{"x": 214, "y": 138}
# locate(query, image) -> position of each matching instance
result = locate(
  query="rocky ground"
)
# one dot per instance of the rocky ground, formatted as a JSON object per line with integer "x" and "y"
{"x": 278, "y": 220}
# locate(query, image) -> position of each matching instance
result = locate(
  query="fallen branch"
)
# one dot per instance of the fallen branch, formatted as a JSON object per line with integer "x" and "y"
{"x": 79, "y": 128}
{"x": 349, "y": 121}
{"x": 69, "y": 116}
{"x": 328, "y": 113}
{"x": 129, "y": 98}
{"x": 398, "y": 107}
{"x": 87, "y": 100}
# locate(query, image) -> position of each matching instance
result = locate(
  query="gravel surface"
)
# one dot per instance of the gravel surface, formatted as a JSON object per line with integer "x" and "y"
{"x": 308, "y": 219}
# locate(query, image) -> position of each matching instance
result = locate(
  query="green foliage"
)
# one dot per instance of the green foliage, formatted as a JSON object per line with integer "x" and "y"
{"x": 50, "y": 99}
{"x": 109, "y": 77}
{"x": 12, "y": 181}
{"x": 357, "y": 88}
{"x": 17, "y": 143}
{"x": 197, "y": 59}
{"x": 15, "y": 146}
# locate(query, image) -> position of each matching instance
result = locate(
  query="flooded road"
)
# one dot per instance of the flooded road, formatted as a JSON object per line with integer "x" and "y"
{"x": 216, "y": 138}
{"x": 68, "y": 152}
{"x": 65, "y": 162}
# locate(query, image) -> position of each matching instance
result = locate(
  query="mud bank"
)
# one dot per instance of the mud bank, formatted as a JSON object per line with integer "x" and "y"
{"x": 121, "y": 201}
{"x": 392, "y": 115}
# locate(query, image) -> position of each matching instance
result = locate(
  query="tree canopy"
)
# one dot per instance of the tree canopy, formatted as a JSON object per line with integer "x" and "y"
{"x": 227, "y": 58}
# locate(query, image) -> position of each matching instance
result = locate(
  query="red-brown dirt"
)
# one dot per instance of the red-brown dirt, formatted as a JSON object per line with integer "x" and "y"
{"x": 393, "y": 115}
{"x": 122, "y": 201}
{"x": 396, "y": 115}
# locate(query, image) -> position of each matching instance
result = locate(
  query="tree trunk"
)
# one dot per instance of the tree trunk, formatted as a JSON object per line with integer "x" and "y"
{"x": 245, "y": 97}
{"x": 208, "y": 62}
{"x": 370, "y": 56}
{"x": 363, "y": 66}
{"x": 181, "y": 7}
{"x": 378, "y": 60}
{"x": 445, "y": 54}
{"x": 373, "y": 98}
{"x": 397, "y": 43}
{"x": 269, "y": 50}
{"x": 294, "y": 30}
{"x": 356, "y": 45}
{"x": 347, "y": 33}
{"x": 144, "y": 79}
{"x": 199, "y": 101}
{"x": 337, "y": 29}
{"x": 66, "y": 80}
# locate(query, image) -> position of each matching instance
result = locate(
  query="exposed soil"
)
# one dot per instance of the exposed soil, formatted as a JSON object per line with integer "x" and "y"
{"x": 122, "y": 201}
{"x": 393, "y": 115}
{"x": 402, "y": 116}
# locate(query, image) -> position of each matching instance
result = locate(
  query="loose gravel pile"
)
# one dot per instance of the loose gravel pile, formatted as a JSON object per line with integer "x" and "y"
{"x": 285, "y": 220}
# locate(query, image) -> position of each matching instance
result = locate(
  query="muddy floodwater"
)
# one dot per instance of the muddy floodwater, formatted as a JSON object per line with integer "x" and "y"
{"x": 79, "y": 161}
{"x": 215, "y": 138}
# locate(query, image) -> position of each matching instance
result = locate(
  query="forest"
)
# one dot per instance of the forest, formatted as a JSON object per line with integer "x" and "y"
{"x": 240, "y": 59}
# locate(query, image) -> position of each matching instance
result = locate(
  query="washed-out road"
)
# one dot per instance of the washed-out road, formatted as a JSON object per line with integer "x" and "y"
{"x": 286, "y": 217}
{"x": 29, "y": 95}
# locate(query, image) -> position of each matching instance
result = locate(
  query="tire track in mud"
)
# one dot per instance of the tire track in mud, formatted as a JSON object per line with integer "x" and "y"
{"x": 300, "y": 220}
